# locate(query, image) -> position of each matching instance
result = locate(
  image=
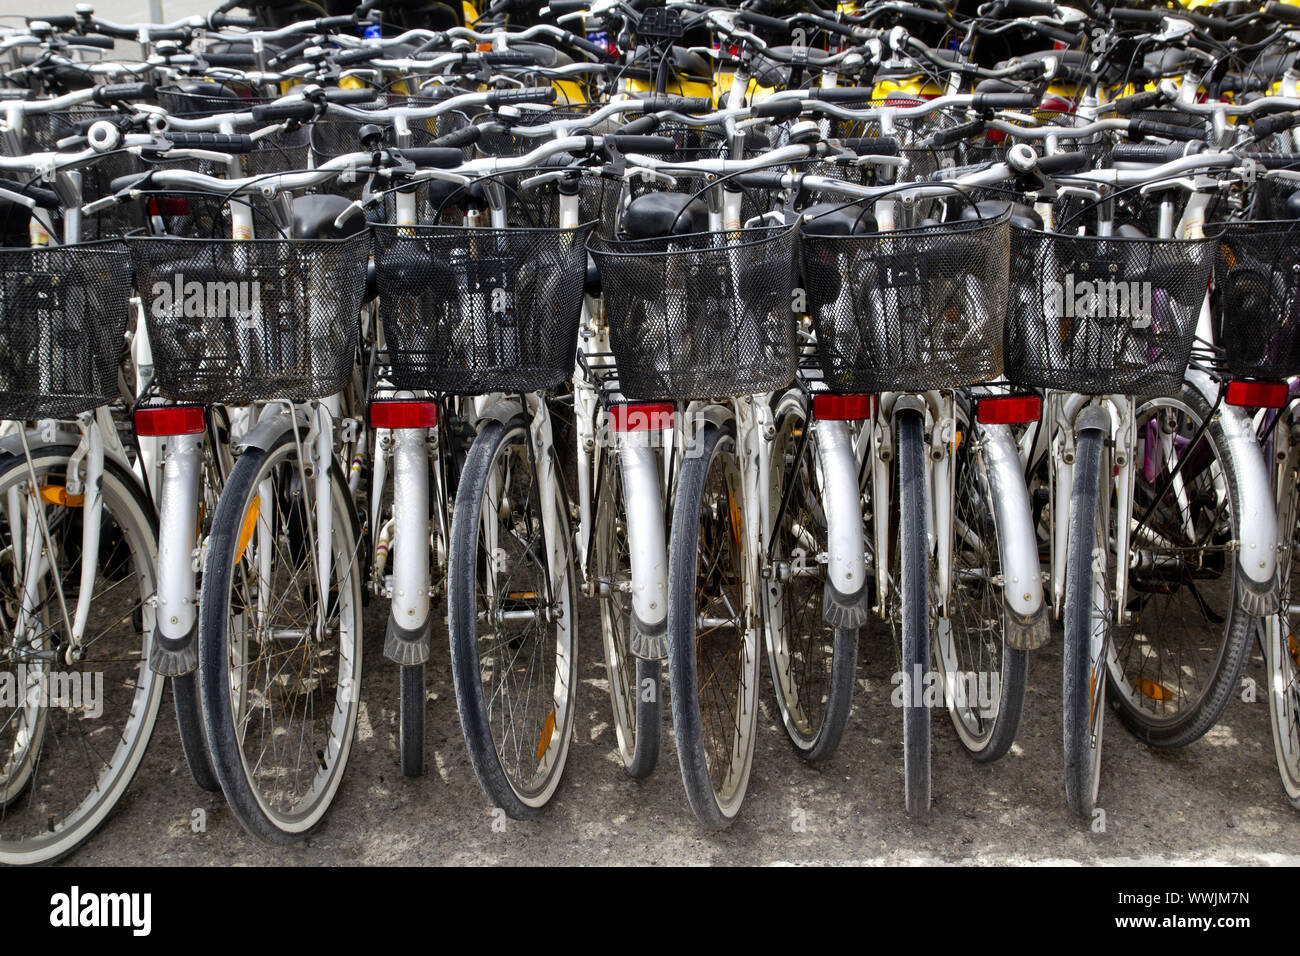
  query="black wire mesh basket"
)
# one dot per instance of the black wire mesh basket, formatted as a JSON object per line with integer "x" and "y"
{"x": 702, "y": 315}
{"x": 1257, "y": 284}
{"x": 63, "y": 315}
{"x": 468, "y": 311}
{"x": 1103, "y": 315}
{"x": 240, "y": 321}
{"x": 910, "y": 310}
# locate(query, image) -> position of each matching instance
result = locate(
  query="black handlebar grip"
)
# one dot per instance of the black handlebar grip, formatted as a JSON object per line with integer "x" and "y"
{"x": 1058, "y": 34}
{"x": 350, "y": 97}
{"x": 358, "y": 56}
{"x": 955, "y": 134}
{"x": 1142, "y": 128}
{"x": 1282, "y": 12}
{"x": 1275, "y": 160}
{"x": 656, "y": 102}
{"x": 221, "y": 142}
{"x": 1063, "y": 163}
{"x": 762, "y": 179}
{"x": 775, "y": 24}
{"x": 824, "y": 23}
{"x": 778, "y": 109}
{"x": 238, "y": 61}
{"x": 293, "y": 109}
{"x": 535, "y": 94}
{"x": 326, "y": 24}
{"x": 582, "y": 43}
{"x": 459, "y": 138}
{"x": 640, "y": 127}
{"x": 1004, "y": 101}
{"x": 435, "y": 157}
{"x": 920, "y": 13}
{"x": 1147, "y": 152}
{"x": 508, "y": 58}
{"x": 561, "y": 7}
{"x": 178, "y": 35}
{"x": 221, "y": 20}
{"x": 123, "y": 183}
{"x": 119, "y": 92}
{"x": 1277, "y": 123}
{"x": 872, "y": 145}
{"x": 626, "y": 143}
{"x": 1137, "y": 102}
{"x": 45, "y": 198}
{"x": 59, "y": 22}
{"x": 99, "y": 43}
{"x": 1027, "y": 8}
{"x": 1125, "y": 15}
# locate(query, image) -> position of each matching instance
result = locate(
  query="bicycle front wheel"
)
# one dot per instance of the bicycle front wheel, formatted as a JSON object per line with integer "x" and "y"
{"x": 812, "y": 662}
{"x": 511, "y": 604}
{"x": 713, "y": 667}
{"x": 75, "y": 728}
{"x": 280, "y": 658}
{"x": 1177, "y": 658}
{"x": 1087, "y": 622}
{"x": 634, "y": 684}
{"x": 1282, "y": 636}
{"x": 984, "y": 680}
{"x": 912, "y": 597}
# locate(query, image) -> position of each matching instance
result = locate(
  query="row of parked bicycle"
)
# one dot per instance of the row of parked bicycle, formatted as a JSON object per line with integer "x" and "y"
{"x": 757, "y": 325}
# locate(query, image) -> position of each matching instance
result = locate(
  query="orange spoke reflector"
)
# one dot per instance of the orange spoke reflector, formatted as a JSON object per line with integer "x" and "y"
{"x": 404, "y": 414}
{"x": 1257, "y": 394}
{"x": 641, "y": 416}
{"x": 521, "y": 596}
{"x": 250, "y": 522}
{"x": 1009, "y": 409}
{"x": 843, "y": 408}
{"x": 58, "y": 495}
{"x": 1153, "y": 690}
{"x": 163, "y": 420}
{"x": 1295, "y": 649}
{"x": 548, "y": 731}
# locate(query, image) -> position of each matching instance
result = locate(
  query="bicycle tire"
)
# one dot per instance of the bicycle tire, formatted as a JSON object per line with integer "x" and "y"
{"x": 189, "y": 722}
{"x": 715, "y": 802}
{"x": 124, "y": 501}
{"x": 411, "y": 719}
{"x": 243, "y": 487}
{"x": 1082, "y": 694}
{"x": 466, "y": 560}
{"x": 812, "y": 663}
{"x": 914, "y": 593}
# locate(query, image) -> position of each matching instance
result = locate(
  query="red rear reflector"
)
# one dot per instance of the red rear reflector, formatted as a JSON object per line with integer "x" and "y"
{"x": 169, "y": 420}
{"x": 842, "y": 408}
{"x": 404, "y": 414}
{"x": 641, "y": 416}
{"x": 1009, "y": 409}
{"x": 1257, "y": 394}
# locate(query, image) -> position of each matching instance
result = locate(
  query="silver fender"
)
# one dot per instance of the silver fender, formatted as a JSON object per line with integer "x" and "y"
{"x": 1257, "y": 523}
{"x": 175, "y": 652}
{"x": 846, "y": 597}
{"x": 647, "y": 550}
{"x": 1022, "y": 589}
{"x": 407, "y": 640}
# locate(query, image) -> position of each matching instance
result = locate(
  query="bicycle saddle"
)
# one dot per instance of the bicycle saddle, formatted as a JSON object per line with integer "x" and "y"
{"x": 664, "y": 214}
